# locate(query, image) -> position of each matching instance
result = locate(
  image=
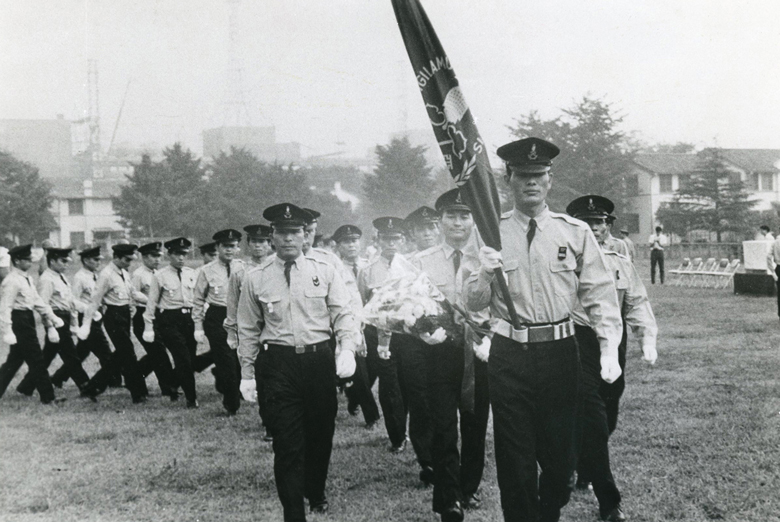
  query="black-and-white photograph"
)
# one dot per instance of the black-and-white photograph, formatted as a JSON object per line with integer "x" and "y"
{"x": 389, "y": 260}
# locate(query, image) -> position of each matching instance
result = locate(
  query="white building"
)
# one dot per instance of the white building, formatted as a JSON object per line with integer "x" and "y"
{"x": 658, "y": 176}
{"x": 84, "y": 212}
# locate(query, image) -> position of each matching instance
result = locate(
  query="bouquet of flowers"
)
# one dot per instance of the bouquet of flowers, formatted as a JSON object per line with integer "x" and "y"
{"x": 409, "y": 303}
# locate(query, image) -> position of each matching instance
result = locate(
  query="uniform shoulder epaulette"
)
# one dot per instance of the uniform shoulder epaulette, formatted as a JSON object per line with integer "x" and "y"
{"x": 507, "y": 214}
{"x": 428, "y": 251}
{"x": 616, "y": 254}
{"x": 265, "y": 263}
{"x": 569, "y": 219}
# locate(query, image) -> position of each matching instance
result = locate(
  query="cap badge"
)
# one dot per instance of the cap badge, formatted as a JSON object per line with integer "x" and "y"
{"x": 424, "y": 213}
{"x": 287, "y": 214}
{"x": 457, "y": 199}
{"x": 315, "y": 280}
{"x": 389, "y": 223}
{"x": 533, "y": 155}
{"x": 591, "y": 206}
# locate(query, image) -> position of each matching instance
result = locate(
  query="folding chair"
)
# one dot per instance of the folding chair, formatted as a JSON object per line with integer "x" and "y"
{"x": 700, "y": 274}
{"x": 677, "y": 273}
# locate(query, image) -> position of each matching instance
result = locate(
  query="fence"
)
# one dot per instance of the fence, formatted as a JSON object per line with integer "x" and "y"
{"x": 679, "y": 251}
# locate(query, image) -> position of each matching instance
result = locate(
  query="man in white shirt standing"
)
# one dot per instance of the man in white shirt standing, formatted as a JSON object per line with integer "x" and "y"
{"x": 658, "y": 242}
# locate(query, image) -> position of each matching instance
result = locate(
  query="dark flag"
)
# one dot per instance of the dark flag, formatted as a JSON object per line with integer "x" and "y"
{"x": 457, "y": 135}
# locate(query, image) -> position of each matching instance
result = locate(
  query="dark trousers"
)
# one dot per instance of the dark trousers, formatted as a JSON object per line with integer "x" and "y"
{"x": 444, "y": 376}
{"x": 27, "y": 350}
{"x": 118, "y": 322}
{"x": 226, "y": 363}
{"x": 156, "y": 359}
{"x": 592, "y": 430}
{"x": 260, "y": 387}
{"x": 777, "y": 272}
{"x": 656, "y": 259}
{"x": 611, "y": 393}
{"x": 390, "y": 398}
{"x": 178, "y": 335}
{"x": 67, "y": 352}
{"x": 97, "y": 344}
{"x": 473, "y": 430}
{"x": 533, "y": 393}
{"x": 301, "y": 406}
{"x": 411, "y": 355}
{"x": 360, "y": 394}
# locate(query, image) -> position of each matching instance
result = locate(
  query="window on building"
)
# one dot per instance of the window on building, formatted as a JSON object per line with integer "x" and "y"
{"x": 632, "y": 185}
{"x": 76, "y": 207}
{"x": 666, "y": 183}
{"x": 767, "y": 182}
{"x": 683, "y": 180}
{"x": 752, "y": 182}
{"x": 631, "y": 221}
{"x": 77, "y": 239}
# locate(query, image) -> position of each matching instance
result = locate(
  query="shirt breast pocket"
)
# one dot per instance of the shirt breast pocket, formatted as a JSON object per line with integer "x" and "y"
{"x": 316, "y": 301}
{"x": 563, "y": 277}
{"x": 512, "y": 271}
{"x": 271, "y": 306}
{"x": 218, "y": 290}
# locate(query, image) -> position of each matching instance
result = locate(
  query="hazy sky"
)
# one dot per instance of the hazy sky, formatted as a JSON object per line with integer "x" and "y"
{"x": 322, "y": 72}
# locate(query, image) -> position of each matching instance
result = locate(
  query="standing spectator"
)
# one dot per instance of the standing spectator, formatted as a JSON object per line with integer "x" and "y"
{"x": 764, "y": 234}
{"x": 657, "y": 243}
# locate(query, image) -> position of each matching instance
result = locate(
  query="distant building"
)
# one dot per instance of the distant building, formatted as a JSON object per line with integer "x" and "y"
{"x": 84, "y": 212}
{"x": 656, "y": 178}
{"x": 44, "y": 143}
{"x": 260, "y": 141}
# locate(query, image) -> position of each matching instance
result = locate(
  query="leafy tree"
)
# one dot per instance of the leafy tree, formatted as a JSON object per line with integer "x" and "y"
{"x": 595, "y": 156}
{"x": 25, "y": 200}
{"x": 712, "y": 198}
{"x": 401, "y": 182}
{"x": 165, "y": 198}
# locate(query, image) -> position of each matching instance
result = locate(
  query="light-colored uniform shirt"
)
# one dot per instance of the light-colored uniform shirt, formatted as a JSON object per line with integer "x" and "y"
{"x": 170, "y": 290}
{"x": 83, "y": 288}
{"x": 113, "y": 287}
{"x": 55, "y": 290}
{"x": 142, "y": 282}
{"x": 658, "y": 242}
{"x": 564, "y": 264}
{"x": 632, "y": 297}
{"x": 212, "y": 288}
{"x": 234, "y": 293}
{"x": 17, "y": 292}
{"x": 631, "y": 248}
{"x": 614, "y": 244}
{"x": 300, "y": 314}
{"x": 5, "y": 258}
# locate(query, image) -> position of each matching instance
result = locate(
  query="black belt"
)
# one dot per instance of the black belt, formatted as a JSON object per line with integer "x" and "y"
{"x": 303, "y": 348}
{"x": 177, "y": 310}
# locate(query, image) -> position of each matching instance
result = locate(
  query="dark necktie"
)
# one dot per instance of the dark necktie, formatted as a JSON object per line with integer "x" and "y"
{"x": 456, "y": 257}
{"x": 63, "y": 279}
{"x": 94, "y": 277}
{"x": 122, "y": 275}
{"x": 287, "y": 267}
{"x": 355, "y": 270}
{"x": 227, "y": 267}
{"x": 531, "y": 231}
{"x": 178, "y": 273}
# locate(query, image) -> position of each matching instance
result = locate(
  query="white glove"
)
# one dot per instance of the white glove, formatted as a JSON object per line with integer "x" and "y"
{"x": 148, "y": 335}
{"x": 232, "y": 340}
{"x": 345, "y": 364}
{"x": 200, "y": 337}
{"x": 83, "y": 332}
{"x": 52, "y": 334}
{"x": 482, "y": 350}
{"x": 489, "y": 259}
{"x": 437, "y": 337}
{"x": 648, "y": 348}
{"x": 248, "y": 388}
{"x": 98, "y": 316}
{"x": 383, "y": 351}
{"x": 57, "y": 322}
{"x": 610, "y": 369}
{"x": 9, "y": 338}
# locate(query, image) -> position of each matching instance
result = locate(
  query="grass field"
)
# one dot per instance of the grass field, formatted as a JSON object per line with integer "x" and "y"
{"x": 698, "y": 439}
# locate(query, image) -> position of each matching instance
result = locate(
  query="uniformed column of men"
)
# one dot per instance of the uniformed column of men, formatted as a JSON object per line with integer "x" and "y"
{"x": 284, "y": 330}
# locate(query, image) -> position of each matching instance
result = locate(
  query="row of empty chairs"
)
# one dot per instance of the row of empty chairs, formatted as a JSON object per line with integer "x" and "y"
{"x": 705, "y": 274}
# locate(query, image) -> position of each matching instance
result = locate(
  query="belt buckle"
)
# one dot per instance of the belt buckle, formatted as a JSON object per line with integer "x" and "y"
{"x": 184, "y": 310}
{"x": 300, "y": 349}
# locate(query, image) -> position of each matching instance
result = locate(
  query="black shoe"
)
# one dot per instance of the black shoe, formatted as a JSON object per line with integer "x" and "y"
{"x": 582, "y": 484}
{"x": 472, "y": 501}
{"x": 87, "y": 393}
{"x": 24, "y": 393}
{"x": 398, "y": 448}
{"x": 615, "y": 515}
{"x": 319, "y": 506}
{"x": 454, "y": 513}
{"x": 140, "y": 399}
{"x": 353, "y": 409}
{"x": 56, "y": 400}
{"x": 426, "y": 475}
{"x": 370, "y": 424}
{"x": 217, "y": 383}
{"x": 56, "y": 384}
{"x": 267, "y": 437}
{"x": 192, "y": 405}
{"x": 173, "y": 395}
